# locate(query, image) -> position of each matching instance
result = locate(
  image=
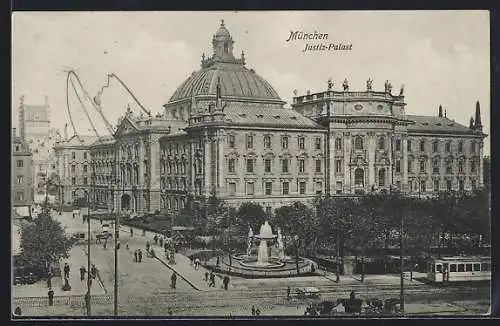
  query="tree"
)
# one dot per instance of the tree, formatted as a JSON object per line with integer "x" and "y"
{"x": 251, "y": 214}
{"x": 43, "y": 242}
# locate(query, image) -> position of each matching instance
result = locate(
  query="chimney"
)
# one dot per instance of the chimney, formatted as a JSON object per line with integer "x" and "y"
{"x": 477, "y": 121}
{"x": 14, "y": 133}
{"x": 440, "y": 111}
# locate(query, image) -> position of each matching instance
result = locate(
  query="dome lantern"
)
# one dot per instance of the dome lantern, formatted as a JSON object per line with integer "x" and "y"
{"x": 223, "y": 45}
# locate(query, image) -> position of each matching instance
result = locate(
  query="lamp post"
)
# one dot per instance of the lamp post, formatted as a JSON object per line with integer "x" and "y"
{"x": 401, "y": 256}
{"x": 295, "y": 240}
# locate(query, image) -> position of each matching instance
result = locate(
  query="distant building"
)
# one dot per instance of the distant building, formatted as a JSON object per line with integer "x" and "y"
{"x": 22, "y": 166}
{"x": 72, "y": 160}
{"x": 35, "y": 131}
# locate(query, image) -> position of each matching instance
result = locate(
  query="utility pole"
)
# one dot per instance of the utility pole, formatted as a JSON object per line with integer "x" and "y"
{"x": 117, "y": 232}
{"x": 401, "y": 256}
{"x": 88, "y": 255}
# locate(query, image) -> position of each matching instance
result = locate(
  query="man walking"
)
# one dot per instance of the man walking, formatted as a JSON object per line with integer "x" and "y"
{"x": 82, "y": 273}
{"x": 131, "y": 232}
{"x": 148, "y": 245}
{"x": 161, "y": 241}
{"x": 173, "y": 279}
{"x": 225, "y": 281}
{"x": 139, "y": 254}
{"x": 155, "y": 238}
{"x": 135, "y": 256}
{"x": 212, "y": 279}
{"x": 66, "y": 270}
{"x": 206, "y": 276}
{"x": 288, "y": 292}
{"x": 49, "y": 280}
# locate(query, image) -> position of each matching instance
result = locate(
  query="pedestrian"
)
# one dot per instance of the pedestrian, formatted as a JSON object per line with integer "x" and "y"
{"x": 140, "y": 255}
{"x": 170, "y": 313}
{"x": 257, "y": 312}
{"x": 87, "y": 299}
{"x": 206, "y": 276}
{"x": 17, "y": 312}
{"x": 126, "y": 246}
{"x": 253, "y": 310}
{"x": 225, "y": 282}
{"x": 82, "y": 273}
{"x": 49, "y": 280}
{"x": 105, "y": 243}
{"x": 131, "y": 232}
{"x": 143, "y": 232}
{"x": 212, "y": 279}
{"x": 66, "y": 270}
{"x": 93, "y": 271}
{"x": 51, "y": 297}
{"x": 135, "y": 256}
{"x": 148, "y": 245}
{"x": 155, "y": 238}
{"x": 196, "y": 263}
{"x": 173, "y": 278}
{"x": 161, "y": 241}
{"x": 152, "y": 253}
{"x": 288, "y": 292}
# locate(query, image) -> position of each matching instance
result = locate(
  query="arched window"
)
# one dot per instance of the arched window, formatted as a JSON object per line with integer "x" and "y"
{"x": 359, "y": 178}
{"x": 381, "y": 178}
{"x": 358, "y": 142}
{"x": 381, "y": 143}
{"x": 226, "y": 47}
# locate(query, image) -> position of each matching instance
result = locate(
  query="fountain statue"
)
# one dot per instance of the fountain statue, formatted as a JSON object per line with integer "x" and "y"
{"x": 281, "y": 247}
{"x": 266, "y": 234}
{"x": 250, "y": 240}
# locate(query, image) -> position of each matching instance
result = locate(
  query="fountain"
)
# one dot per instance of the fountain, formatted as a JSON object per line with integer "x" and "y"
{"x": 268, "y": 259}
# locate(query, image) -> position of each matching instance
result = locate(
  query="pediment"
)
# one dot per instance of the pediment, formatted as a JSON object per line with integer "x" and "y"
{"x": 126, "y": 127}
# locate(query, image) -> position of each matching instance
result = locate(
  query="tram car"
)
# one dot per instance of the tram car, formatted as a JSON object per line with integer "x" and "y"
{"x": 459, "y": 269}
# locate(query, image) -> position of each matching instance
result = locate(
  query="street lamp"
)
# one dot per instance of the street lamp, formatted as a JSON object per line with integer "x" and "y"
{"x": 117, "y": 232}
{"x": 295, "y": 240}
{"x": 401, "y": 256}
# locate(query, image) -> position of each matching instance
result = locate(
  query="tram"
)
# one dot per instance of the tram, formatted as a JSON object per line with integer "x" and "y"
{"x": 459, "y": 269}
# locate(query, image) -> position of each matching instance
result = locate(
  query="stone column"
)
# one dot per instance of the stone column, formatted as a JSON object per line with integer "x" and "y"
{"x": 371, "y": 148}
{"x": 348, "y": 184}
{"x": 404, "y": 182}
{"x": 191, "y": 171}
{"x": 220, "y": 164}
{"x": 390, "y": 176}
{"x": 331, "y": 166}
{"x": 207, "y": 159}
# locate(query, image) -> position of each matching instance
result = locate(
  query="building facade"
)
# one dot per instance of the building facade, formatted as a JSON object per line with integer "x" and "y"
{"x": 22, "y": 192}
{"x": 35, "y": 131}
{"x": 226, "y": 132}
{"x": 73, "y": 166}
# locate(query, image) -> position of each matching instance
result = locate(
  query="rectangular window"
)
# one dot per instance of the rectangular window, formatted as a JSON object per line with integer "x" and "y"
{"x": 338, "y": 166}
{"x": 249, "y": 141}
{"x": 231, "y": 141}
{"x": 473, "y": 185}
{"x": 84, "y": 168}
{"x": 398, "y": 166}
{"x": 439, "y": 268}
{"x": 73, "y": 155}
{"x": 448, "y": 169}
{"x": 232, "y": 189}
{"x": 398, "y": 144}
{"x": 284, "y": 142}
{"x": 339, "y": 187}
{"x": 250, "y": 165}
{"x": 302, "y": 142}
{"x": 267, "y": 142}
{"x": 20, "y": 196}
{"x": 302, "y": 166}
{"x": 453, "y": 268}
{"x": 302, "y": 187}
{"x": 284, "y": 166}
{"x": 317, "y": 142}
{"x": 436, "y": 185}
{"x": 477, "y": 268}
{"x": 19, "y": 163}
{"x": 448, "y": 185}
{"x": 435, "y": 166}
{"x": 269, "y": 188}
{"x": 319, "y": 187}
{"x": 410, "y": 166}
{"x": 460, "y": 147}
{"x": 84, "y": 155}
{"x": 485, "y": 267}
{"x": 461, "y": 185}
{"x": 286, "y": 188}
{"x": 422, "y": 146}
{"x": 85, "y": 180}
{"x": 472, "y": 148}
{"x": 422, "y": 166}
{"x": 422, "y": 186}
{"x": 19, "y": 179}
{"x": 447, "y": 147}
{"x": 338, "y": 144}
{"x": 250, "y": 188}
{"x": 409, "y": 145}
{"x": 472, "y": 166}
{"x": 73, "y": 181}
{"x": 269, "y": 211}
{"x": 461, "y": 167}
{"x": 435, "y": 146}
{"x": 461, "y": 268}
{"x": 318, "y": 166}
{"x": 73, "y": 169}
{"x": 267, "y": 166}
{"x": 468, "y": 267}
{"x": 232, "y": 165}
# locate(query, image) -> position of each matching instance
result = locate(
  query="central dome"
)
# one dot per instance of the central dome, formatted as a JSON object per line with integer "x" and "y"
{"x": 236, "y": 81}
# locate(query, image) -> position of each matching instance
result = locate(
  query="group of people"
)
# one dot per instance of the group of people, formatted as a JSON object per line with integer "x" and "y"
{"x": 210, "y": 278}
{"x": 138, "y": 256}
{"x": 255, "y": 311}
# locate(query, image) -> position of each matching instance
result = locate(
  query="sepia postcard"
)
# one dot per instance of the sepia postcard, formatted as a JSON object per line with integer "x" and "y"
{"x": 250, "y": 164}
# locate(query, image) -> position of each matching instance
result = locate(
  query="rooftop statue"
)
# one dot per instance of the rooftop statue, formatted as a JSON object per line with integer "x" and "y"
{"x": 401, "y": 90}
{"x": 369, "y": 84}
{"x": 345, "y": 85}
{"x": 330, "y": 84}
{"x": 388, "y": 86}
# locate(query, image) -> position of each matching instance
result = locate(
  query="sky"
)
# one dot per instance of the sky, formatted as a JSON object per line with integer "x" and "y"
{"x": 442, "y": 57}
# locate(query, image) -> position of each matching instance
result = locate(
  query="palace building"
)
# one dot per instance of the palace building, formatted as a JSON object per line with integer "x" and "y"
{"x": 226, "y": 132}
